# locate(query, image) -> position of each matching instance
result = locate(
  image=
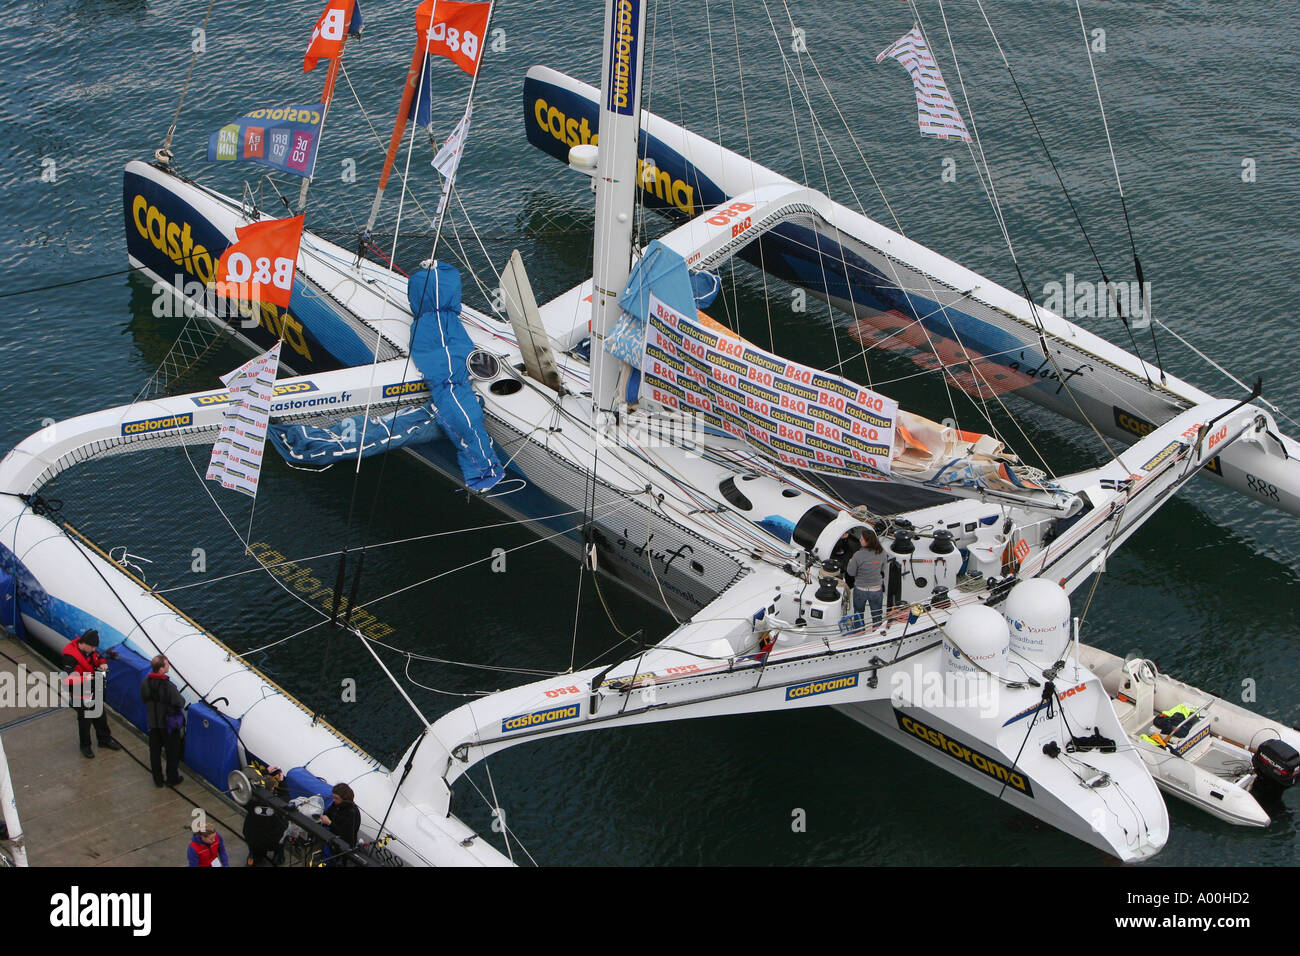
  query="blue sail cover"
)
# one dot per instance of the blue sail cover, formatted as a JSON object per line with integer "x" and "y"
{"x": 439, "y": 348}
{"x": 323, "y": 446}
{"x": 663, "y": 272}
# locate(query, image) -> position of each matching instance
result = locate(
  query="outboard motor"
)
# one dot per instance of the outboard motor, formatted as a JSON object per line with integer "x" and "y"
{"x": 1276, "y": 765}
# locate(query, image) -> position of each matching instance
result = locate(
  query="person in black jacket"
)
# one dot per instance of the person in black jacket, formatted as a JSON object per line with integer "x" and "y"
{"x": 165, "y": 710}
{"x": 344, "y": 817}
{"x": 263, "y": 827}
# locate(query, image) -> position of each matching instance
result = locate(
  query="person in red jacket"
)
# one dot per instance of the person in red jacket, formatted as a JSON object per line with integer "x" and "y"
{"x": 206, "y": 848}
{"x": 81, "y": 659}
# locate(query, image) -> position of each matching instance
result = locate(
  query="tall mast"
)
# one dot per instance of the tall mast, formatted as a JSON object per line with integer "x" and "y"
{"x": 620, "y": 124}
{"x": 409, "y": 92}
{"x": 330, "y": 78}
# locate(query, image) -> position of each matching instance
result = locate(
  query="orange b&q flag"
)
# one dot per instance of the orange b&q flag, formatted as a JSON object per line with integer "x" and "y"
{"x": 337, "y": 21}
{"x": 259, "y": 267}
{"x": 458, "y": 31}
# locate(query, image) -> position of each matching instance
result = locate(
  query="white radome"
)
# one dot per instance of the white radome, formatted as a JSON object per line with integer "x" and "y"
{"x": 1038, "y": 615}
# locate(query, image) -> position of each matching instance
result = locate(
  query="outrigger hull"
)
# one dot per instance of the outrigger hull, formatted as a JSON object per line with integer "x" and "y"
{"x": 949, "y": 315}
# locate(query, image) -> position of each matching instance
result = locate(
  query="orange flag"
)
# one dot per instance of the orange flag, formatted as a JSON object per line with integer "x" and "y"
{"x": 327, "y": 38}
{"x": 458, "y": 30}
{"x": 260, "y": 266}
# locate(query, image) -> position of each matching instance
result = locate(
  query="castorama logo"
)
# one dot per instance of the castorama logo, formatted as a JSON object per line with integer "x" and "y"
{"x": 622, "y": 57}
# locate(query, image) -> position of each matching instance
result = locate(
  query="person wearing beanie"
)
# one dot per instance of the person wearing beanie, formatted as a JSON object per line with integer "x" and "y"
{"x": 82, "y": 660}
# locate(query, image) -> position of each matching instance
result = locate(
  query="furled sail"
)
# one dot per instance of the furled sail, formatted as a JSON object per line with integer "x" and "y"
{"x": 440, "y": 347}
{"x": 320, "y": 446}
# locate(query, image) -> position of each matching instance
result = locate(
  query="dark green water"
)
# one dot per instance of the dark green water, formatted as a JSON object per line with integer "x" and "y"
{"x": 1208, "y": 588}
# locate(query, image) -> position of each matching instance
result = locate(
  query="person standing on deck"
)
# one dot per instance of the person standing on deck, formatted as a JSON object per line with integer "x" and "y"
{"x": 165, "y": 717}
{"x": 866, "y": 573}
{"x": 82, "y": 661}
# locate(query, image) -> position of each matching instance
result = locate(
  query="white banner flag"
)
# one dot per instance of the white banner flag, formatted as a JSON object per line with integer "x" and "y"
{"x": 237, "y": 455}
{"x": 448, "y": 159}
{"x": 935, "y": 111}
{"x": 803, "y": 416}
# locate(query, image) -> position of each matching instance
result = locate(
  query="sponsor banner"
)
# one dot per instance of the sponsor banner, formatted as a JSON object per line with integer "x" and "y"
{"x": 405, "y": 388}
{"x": 814, "y": 687}
{"x": 260, "y": 266}
{"x": 936, "y": 113}
{"x": 284, "y": 388}
{"x": 804, "y": 417}
{"x": 958, "y": 751}
{"x": 540, "y": 718}
{"x": 284, "y": 138}
{"x": 1162, "y": 455}
{"x": 147, "y": 426}
{"x": 340, "y": 17}
{"x": 458, "y": 32}
{"x": 447, "y": 161}
{"x": 237, "y": 455}
{"x": 624, "y": 38}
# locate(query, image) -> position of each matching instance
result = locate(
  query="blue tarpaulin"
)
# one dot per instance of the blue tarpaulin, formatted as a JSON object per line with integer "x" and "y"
{"x": 661, "y": 271}
{"x": 122, "y": 689}
{"x": 303, "y": 783}
{"x": 211, "y": 743}
{"x": 8, "y": 603}
{"x": 439, "y": 348}
{"x": 316, "y": 445}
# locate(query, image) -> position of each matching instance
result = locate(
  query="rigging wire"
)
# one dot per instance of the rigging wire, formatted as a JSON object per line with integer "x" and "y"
{"x": 365, "y": 418}
{"x": 381, "y": 544}
{"x": 164, "y": 153}
{"x": 1068, "y": 198}
{"x": 991, "y": 192}
{"x": 379, "y": 140}
{"x": 435, "y": 577}
{"x": 1137, "y": 264}
{"x": 978, "y": 402}
{"x": 68, "y": 282}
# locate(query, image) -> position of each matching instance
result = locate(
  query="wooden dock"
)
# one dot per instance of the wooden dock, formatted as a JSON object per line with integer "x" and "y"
{"x": 105, "y": 811}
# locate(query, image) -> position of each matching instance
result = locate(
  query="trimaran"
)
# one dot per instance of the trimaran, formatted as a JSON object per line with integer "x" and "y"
{"x": 721, "y": 489}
